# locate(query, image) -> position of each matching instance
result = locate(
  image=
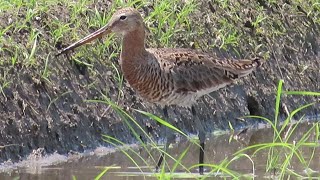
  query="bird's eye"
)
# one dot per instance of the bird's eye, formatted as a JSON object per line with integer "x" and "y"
{"x": 123, "y": 17}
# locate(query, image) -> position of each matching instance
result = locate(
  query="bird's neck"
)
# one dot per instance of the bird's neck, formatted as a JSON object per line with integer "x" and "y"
{"x": 133, "y": 46}
{"x": 133, "y": 55}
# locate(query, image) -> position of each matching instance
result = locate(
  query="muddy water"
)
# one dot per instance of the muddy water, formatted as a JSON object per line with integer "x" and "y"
{"x": 218, "y": 147}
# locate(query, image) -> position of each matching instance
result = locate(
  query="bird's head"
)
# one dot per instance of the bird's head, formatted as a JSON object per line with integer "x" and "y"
{"x": 122, "y": 22}
{"x": 125, "y": 20}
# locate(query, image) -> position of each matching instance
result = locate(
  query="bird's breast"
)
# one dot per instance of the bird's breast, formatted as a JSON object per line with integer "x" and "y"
{"x": 156, "y": 83}
{"x": 150, "y": 82}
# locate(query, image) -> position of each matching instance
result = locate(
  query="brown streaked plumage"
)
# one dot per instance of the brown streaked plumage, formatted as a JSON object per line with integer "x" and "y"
{"x": 168, "y": 76}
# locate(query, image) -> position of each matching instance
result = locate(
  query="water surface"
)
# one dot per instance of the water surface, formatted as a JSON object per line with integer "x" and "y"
{"x": 88, "y": 165}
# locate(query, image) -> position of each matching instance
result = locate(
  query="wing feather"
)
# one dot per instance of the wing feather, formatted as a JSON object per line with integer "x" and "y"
{"x": 194, "y": 71}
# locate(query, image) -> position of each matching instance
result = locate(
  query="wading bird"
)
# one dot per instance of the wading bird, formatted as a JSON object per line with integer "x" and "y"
{"x": 168, "y": 76}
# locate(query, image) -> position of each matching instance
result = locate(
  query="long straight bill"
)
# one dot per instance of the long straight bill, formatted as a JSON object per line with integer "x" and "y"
{"x": 99, "y": 33}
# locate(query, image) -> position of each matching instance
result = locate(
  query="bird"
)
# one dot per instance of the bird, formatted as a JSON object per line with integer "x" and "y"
{"x": 168, "y": 76}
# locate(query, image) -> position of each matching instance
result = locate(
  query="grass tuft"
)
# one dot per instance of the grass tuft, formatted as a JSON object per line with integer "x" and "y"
{"x": 281, "y": 151}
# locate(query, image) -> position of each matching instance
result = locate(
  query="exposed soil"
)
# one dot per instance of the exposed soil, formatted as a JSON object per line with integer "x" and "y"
{"x": 53, "y": 116}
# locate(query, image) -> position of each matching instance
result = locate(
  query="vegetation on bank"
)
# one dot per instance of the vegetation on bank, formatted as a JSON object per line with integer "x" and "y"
{"x": 31, "y": 32}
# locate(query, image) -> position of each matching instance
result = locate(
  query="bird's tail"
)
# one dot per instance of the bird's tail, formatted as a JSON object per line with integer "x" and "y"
{"x": 243, "y": 67}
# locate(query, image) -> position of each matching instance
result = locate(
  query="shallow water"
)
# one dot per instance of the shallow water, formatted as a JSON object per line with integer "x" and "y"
{"x": 88, "y": 165}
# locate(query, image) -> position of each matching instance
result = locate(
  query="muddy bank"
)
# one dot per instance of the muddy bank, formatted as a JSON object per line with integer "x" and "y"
{"x": 51, "y": 112}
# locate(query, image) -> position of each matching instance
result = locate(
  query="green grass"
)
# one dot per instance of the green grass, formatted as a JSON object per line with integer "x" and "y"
{"x": 280, "y": 151}
{"x": 30, "y": 39}
{"x": 46, "y": 24}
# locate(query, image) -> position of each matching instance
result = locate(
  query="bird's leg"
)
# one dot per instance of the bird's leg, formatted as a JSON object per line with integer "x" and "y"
{"x": 169, "y": 138}
{"x": 202, "y": 137}
{"x": 165, "y": 112}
